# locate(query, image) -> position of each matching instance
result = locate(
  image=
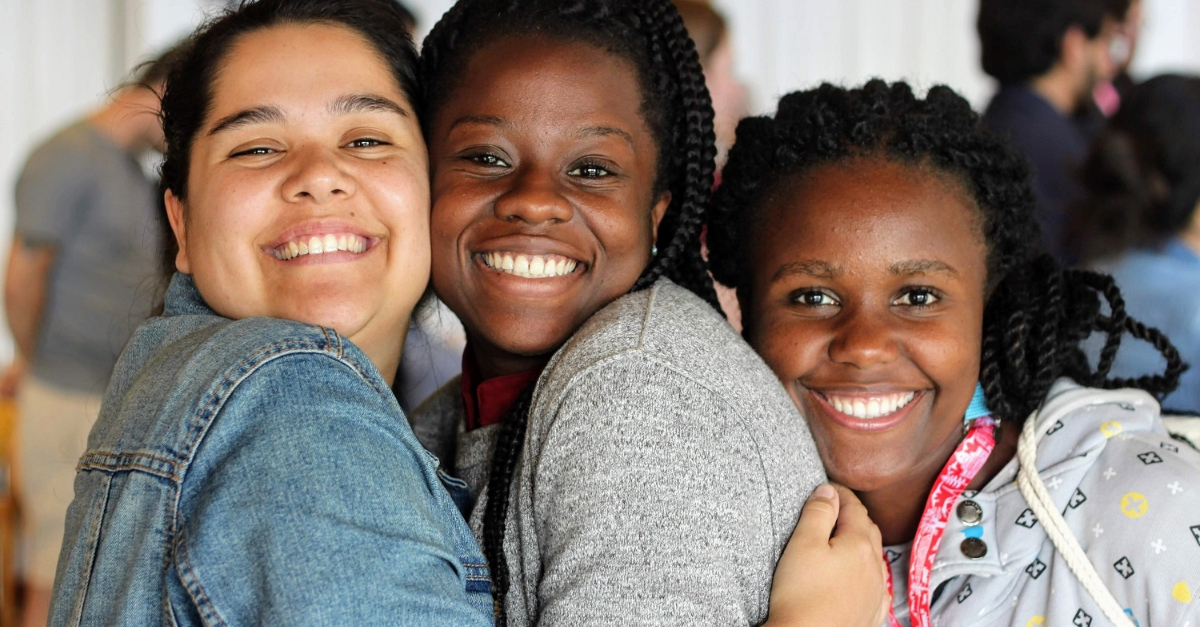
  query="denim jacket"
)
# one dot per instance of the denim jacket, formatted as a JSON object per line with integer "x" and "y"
{"x": 260, "y": 472}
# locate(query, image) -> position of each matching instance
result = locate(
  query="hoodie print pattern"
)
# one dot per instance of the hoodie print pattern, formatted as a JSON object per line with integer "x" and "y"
{"x": 1130, "y": 495}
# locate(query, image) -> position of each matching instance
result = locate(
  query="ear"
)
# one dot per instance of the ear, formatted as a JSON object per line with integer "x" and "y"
{"x": 1073, "y": 51}
{"x": 179, "y": 228}
{"x": 657, "y": 212}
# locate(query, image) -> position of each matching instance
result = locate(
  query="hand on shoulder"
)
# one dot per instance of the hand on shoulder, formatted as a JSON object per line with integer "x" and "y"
{"x": 832, "y": 571}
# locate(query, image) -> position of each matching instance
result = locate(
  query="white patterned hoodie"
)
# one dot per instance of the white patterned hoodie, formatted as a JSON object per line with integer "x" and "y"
{"x": 1129, "y": 493}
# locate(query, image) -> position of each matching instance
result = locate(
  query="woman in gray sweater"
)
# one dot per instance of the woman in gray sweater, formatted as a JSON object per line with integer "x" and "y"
{"x": 633, "y": 461}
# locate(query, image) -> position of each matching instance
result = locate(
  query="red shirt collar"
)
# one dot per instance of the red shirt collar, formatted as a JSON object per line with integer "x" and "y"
{"x": 488, "y": 401}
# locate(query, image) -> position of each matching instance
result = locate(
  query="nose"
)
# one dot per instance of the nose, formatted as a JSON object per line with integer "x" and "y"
{"x": 317, "y": 176}
{"x": 864, "y": 339}
{"x": 534, "y": 197}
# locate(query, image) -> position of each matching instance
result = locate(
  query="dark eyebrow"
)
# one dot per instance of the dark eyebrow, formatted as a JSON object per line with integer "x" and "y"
{"x": 253, "y": 115}
{"x": 361, "y": 103}
{"x": 921, "y": 266}
{"x": 808, "y": 267}
{"x": 606, "y": 131}
{"x": 485, "y": 120}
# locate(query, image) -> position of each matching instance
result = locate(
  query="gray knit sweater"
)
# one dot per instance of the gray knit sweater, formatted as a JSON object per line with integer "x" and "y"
{"x": 663, "y": 470}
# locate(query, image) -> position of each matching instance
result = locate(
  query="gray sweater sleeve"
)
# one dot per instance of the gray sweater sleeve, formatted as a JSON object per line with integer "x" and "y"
{"x": 647, "y": 498}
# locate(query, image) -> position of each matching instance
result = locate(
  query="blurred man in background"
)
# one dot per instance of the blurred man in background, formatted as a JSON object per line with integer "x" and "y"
{"x": 1048, "y": 56}
{"x": 82, "y": 273}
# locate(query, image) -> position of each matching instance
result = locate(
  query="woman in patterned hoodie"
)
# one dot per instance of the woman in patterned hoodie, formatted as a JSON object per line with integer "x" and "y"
{"x": 885, "y": 253}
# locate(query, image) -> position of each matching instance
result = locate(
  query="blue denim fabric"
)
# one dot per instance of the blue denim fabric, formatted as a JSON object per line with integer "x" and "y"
{"x": 260, "y": 472}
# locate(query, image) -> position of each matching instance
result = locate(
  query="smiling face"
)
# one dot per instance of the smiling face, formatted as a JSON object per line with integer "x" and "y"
{"x": 544, "y": 209}
{"x": 867, "y": 302}
{"x": 308, "y": 194}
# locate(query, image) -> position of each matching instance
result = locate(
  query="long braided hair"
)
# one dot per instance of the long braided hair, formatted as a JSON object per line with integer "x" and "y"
{"x": 1037, "y": 312}
{"x": 675, "y": 105}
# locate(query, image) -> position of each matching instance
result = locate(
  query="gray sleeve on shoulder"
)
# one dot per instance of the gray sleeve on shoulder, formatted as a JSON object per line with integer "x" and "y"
{"x": 51, "y": 191}
{"x": 647, "y": 499}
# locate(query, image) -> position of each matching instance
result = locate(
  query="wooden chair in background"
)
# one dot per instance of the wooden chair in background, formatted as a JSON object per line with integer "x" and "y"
{"x": 8, "y": 515}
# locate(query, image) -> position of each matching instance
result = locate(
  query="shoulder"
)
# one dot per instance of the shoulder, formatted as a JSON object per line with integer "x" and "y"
{"x": 661, "y": 370}
{"x": 180, "y": 375}
{"x": 1135, "y": 507}
{"x": 69, "y": 148}
{"x": 662, "y": 328}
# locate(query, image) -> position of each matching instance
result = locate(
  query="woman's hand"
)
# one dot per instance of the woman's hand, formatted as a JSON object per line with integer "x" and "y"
{"x": 832, "y": 571}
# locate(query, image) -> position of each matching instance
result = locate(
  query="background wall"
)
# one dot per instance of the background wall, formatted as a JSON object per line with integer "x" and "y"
{"x": 58, "y": 58}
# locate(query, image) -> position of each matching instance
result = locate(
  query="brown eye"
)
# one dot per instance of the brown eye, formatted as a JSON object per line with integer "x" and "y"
{"x": 814, "y": 298}
{"x": 257, "y": 151}
{"x": 590, "y": 170}
{"x": 488, "y": 159}
{"x": 918, "y": 298}
{"x": 365, "y": 142}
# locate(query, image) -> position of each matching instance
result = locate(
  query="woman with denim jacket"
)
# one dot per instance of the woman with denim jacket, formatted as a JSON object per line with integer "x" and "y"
{"x": 250, "y": 464}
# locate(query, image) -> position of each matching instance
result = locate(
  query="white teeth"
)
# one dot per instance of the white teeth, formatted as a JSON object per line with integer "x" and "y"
{"x": 529, "y": 266}
{"x": 319, "y": 244}
{"x": 871, "y": 407}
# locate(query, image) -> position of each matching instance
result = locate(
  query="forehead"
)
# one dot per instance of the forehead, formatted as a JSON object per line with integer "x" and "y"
{"x": 540, "y": 79}
{"x": 296, "y": 62}
{"x": 873, "y": 206}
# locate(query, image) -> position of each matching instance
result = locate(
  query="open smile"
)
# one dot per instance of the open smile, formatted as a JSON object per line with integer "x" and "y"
{"x": 529, "y": 266}
{"x": 867, "y": 411}
{"x": 321, "y": 245}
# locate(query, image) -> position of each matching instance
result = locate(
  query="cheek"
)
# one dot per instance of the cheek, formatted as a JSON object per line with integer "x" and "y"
{"x": 950, "y": 354}
{"x": 790, "y": 348}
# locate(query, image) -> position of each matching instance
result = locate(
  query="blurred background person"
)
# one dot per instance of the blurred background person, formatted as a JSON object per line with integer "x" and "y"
{"x": 1048, "y": 56}
{"x": 1106, "y": 95}
{"x": 1138, "y": 221}
{"x": 82, "y": 273}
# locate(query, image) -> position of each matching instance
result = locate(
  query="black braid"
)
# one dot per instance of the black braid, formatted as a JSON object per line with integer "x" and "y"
{"x": 1037, "y": 313}
{"x": 650, "y": 35}
{"x": 509, "y": 443}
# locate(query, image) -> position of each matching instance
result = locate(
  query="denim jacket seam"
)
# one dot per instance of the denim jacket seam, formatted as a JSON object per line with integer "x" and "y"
{"x": 215, "y": 398}
{"x": 112, "y": 461}
{"x": 93, "y": 540}
{"x": 191, "y": 583}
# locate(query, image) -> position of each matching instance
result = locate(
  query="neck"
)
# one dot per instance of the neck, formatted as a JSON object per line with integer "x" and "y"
{"x": 1057, "y": 88}
{"x": 897, "y": 509}
{"x": 1191, "y": 236}
{"x": 496, "y": 362}
{"x": 384, "y": 353}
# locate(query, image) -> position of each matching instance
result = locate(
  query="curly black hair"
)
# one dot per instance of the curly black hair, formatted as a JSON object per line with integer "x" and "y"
{"x": 1142, "y": 176}
{"x": 1024, "y": 348}
{"x": 650, "y": 35}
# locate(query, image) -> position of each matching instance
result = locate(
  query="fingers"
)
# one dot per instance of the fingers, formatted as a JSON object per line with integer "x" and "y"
{"x": 819, "y": 515}
{"x": 853, "y": 518}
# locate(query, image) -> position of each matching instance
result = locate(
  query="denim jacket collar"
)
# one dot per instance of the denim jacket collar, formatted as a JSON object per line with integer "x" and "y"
{"x": 183, "y": 299}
